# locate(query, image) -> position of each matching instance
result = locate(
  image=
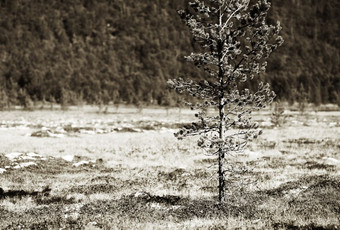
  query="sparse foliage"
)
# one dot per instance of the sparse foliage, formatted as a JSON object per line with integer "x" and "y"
{"x": 3, "y": 99}
{"x": 302, "y": 98}
{"x": 235, "y": 41}
{"x": 278, "y": 118}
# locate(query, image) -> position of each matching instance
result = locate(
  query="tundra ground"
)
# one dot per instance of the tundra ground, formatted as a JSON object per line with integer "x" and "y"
{"x": 83, "y": 170}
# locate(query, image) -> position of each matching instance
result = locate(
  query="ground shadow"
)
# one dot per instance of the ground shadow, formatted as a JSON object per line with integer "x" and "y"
{"x": 22, "y": 193}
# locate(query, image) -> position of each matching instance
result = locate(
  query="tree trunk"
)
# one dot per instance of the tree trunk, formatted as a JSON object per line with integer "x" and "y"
{"x": 221, "y": 179}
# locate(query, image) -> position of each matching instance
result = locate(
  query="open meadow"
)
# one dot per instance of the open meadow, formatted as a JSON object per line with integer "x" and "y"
{"x": 79, "y": 169}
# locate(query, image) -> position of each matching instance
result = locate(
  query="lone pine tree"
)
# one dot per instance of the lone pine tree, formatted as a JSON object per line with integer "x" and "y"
{"x": 235, "y": 42}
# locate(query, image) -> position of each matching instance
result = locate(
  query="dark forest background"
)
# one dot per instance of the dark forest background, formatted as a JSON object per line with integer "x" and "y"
{"x": 123, "y": 51}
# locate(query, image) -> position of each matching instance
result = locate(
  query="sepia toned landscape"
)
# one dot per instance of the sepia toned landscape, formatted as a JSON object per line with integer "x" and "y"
{"x": 80, "y": 169}
{"x": 170, "y": 114}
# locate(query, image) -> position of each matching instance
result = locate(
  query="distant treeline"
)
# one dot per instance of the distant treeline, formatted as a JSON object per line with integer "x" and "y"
{"x": 123, "y": 51}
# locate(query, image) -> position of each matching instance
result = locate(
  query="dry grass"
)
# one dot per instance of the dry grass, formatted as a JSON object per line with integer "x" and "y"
{"x": 149, "y": 180}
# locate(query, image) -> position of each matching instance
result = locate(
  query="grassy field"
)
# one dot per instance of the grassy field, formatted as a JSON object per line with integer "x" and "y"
{"x": 84, "y": 170}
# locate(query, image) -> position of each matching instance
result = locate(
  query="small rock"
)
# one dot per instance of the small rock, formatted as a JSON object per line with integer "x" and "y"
{"x": 44, "y": 129}
{"x": 331, "y": 161}
{"x": 13, "y": 156}
{"x": 60, "y": 130}
{"x": 24, "y": 164}
{"x": 332, "y": 124}
{"x": 68, "y": 158}
{"x": 142, "y": 195}
{"x": 41, "y": 133}
{"x": 83, "y": 163}
{"x": 99, "y": 131}
{"x": 50, "y": 134}
{"x": 84, "y": 131}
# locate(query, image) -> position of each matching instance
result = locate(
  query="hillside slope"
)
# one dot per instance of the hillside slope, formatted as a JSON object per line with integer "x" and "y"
{"x": 124, "y": 50}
